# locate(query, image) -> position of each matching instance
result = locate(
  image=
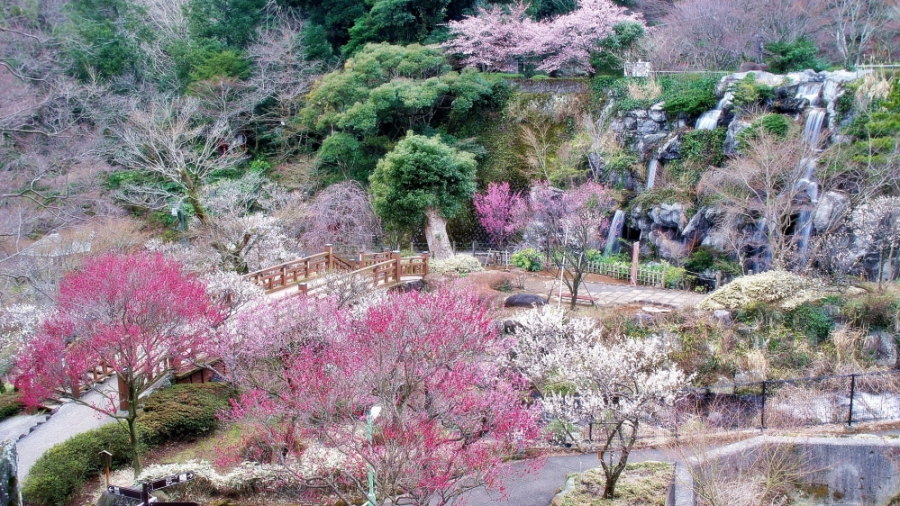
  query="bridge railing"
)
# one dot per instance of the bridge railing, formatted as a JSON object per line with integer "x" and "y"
{"x": 383, "y": 273}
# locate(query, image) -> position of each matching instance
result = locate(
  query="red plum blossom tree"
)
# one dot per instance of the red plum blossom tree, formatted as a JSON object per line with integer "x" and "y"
{"x": 450, "y": 413}
{"x": 136, "y": 314}
{"x": 500, "y": 211}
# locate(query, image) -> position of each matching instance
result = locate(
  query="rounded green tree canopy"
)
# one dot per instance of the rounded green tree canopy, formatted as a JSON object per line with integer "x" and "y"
{"x": 422, "y": 173}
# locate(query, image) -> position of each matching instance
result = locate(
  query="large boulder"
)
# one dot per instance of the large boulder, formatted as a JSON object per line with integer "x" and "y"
{"x": 524, "y": 300}
{"x": 831, "y": 207}
{"x": 882, "y": 346}
{"x": 669, "y": 215}
{"x": 9, "y": 483}
{"x": 734, "y": 128}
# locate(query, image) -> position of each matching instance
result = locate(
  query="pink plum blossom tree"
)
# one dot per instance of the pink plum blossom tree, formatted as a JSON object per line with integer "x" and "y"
{"x": 450, "y": 413}
{"x": 137, "y": 315}
{"x": 500, "y": 211}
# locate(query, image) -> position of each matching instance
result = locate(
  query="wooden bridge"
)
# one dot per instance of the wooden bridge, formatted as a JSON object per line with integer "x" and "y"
{"x": 386, "y": 268}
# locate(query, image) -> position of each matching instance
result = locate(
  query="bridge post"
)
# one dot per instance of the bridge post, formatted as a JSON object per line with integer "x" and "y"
{"x": 303, "y": 287}
{"x": 329, "y": 249}
{"x": 395, "y": 256}
{"x": 424, "y": 264}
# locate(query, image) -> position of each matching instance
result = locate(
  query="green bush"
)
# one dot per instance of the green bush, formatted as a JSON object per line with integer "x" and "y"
{"x": 529, "y": 259}
{"x": 873, "y": 310}
{"x": 180, "y": 412}
{"x": 748, "y": 92}
{"x": 772, "y": 124}
{"x": 691, "y": 96}
{"x": 66, "y": 466}
{"x": 800, "y": 54}
{"x": 812, "y": 320}
{"x": 10, "y": 404}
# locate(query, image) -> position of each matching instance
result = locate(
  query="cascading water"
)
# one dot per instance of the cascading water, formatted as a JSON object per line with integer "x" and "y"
{"x": 812, "y": 129}
{"x": 810, "y": 91}
{"x": 759, "y": 241}
{"x": 651, "y": 172}
{"x": 807, "y": 185}
{"x": 615, "y": 231}
{"x": 805, "y": 219}
{"x": 709, "y": 120}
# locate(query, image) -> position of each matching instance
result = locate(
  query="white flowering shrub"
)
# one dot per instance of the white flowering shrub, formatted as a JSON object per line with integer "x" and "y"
{"x": 778, "y": 288}
{"x": 247, "y": 477}
{"x": 458, "y": 264}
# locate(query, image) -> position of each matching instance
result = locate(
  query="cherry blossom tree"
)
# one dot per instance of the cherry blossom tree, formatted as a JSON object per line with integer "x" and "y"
{"x": 492, "y": 37}
{"x": 138, "y": 315}
{"x": 450, "y": 413}
{"x": 497, "y": 34}
{"x": 585, "y": 379}
{"x": 500, "y": 211}
{"x": 569, "y": 39}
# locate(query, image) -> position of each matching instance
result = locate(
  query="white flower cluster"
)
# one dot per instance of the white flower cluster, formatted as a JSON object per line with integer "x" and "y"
{"x": 459, "y": 264}
{"x": 583, "y": 376}
{"x": 781, "y": 288}
{"x": 249, "y": 477}
{"x": 18, "y": 323}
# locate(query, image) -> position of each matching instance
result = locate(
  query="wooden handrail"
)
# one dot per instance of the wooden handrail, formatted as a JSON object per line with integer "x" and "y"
{"x": 299, "y": 271}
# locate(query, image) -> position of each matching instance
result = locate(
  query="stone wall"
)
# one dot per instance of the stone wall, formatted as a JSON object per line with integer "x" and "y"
{"x": 850, "y": 470}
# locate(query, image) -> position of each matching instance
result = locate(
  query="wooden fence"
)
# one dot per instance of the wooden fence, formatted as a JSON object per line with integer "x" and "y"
{"x": 619, "y": 270}
{"x": 382, "y": 273}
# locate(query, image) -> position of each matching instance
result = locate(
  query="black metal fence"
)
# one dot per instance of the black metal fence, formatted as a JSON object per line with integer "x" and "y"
{"x": 798, "y": 402}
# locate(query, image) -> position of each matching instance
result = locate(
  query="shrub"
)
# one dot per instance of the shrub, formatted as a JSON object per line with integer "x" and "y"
{"x": 66, "y": 466}
{"x": 748, "y": 92}
{"x": 772, "y": 124}
{"x": 873, "y": 310}
{"x": 700, "y": 260}
{"x": 690, "y": 96}
{"x": 10, "y": 404}
{"x": 812, "y": 320}
{"x": 529, "y": 259}
{"x": 180, "y": 412}
{"x": 459, "y": 264}
{"x": 778, "y": 288}
{"x": 800, "y": 54}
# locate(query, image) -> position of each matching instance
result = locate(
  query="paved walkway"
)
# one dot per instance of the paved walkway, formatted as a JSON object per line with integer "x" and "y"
{"x": 538, "y": 489}
{"x": 69, "y": 420}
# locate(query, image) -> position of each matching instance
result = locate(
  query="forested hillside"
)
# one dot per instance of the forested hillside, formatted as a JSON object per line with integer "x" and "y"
{"x": 683, "y": 144}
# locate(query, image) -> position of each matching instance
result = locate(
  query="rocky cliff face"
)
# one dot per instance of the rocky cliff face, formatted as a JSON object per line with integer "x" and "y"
{"x": 671, "y": 226}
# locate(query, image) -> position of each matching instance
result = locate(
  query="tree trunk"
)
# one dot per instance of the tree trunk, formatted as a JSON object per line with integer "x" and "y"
{"x": 436, "y": 235}
{"x": 133, "y": 439}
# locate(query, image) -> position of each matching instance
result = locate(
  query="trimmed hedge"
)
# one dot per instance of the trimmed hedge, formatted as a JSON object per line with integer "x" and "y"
{"x": 10, "y": 404}
{"x": 181, "y": 412}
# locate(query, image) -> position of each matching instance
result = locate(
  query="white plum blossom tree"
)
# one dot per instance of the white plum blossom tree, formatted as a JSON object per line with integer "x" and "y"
{"x": 584, "y": 378}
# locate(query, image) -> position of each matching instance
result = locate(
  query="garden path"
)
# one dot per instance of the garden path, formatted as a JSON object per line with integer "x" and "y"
{"x": 538, "y": 489}
{"x": 609, "y": 294}
{"x": 69, "y": 420}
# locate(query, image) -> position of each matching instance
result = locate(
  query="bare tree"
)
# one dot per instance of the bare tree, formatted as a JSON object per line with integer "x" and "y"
{"x": 767, "y": 187}
{"x": 168, "y": 143}
{"x": 855, "y": 24}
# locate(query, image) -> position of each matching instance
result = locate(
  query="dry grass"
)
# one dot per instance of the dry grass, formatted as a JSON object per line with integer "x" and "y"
{"x": 645, "y": 483}
{"x": 648, "y": 90}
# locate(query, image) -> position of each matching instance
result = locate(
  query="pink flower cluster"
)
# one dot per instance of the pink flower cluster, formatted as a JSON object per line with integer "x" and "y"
{"x": 499, "y": 34}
